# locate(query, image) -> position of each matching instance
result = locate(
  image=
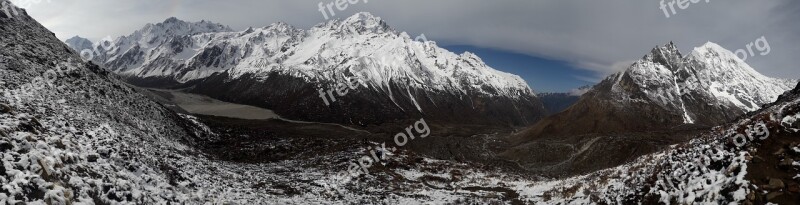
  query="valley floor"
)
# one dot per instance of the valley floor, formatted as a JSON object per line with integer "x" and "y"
{"x": 294, "y": 161}
{"x": 453, "y": 164}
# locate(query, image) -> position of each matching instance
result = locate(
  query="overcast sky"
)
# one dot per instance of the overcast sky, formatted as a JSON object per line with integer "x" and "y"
{"x": 601, "y": 36}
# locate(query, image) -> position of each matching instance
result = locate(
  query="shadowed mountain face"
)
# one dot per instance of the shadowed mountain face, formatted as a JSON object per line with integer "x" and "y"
{"x": 294, "y": 98}
{"x": 284, "y": 69}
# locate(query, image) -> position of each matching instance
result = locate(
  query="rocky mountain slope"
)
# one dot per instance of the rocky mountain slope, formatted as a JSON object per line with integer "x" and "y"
{"x": 664, "y": 90}
{"x": 69, "y": 134}
{"x": 283, "y": 68}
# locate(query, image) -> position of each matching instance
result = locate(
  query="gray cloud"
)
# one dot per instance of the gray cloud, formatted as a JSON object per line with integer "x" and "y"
{"x": 602, "y": 36}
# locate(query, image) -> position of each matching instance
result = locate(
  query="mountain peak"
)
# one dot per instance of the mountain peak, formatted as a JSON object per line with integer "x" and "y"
{"x": 713, "y": 48}
{"x": 363, "y": 17}
{"x": 667, "y": 55}
{"x": 76, "y": 38}
{"x": 666, "y": 49}
{"x": 280, "y": 27}
{"x": 364, "y": 21}
{"x": 711, "y": 52}
{"x": 280, "y": 24}
{"x": 175, "y": 23}
{"x": 172, "y": 20}
{"x": 175, "y": 27}
{"x": 712, "y": 45}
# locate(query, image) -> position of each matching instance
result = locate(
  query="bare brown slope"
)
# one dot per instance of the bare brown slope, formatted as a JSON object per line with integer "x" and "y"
{"x": 596, "y": 133}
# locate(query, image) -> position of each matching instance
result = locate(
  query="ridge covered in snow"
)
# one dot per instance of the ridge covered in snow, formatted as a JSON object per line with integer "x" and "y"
{"x": 148, "y": 38}
{"x": 362, "y": 45}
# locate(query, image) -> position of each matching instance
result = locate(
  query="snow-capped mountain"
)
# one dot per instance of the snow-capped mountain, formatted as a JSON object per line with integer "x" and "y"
{"x": 665, "y": 89}
{"x": 710, "y": 79}
{"x": 282, "y": 68}
{"x": 133, "y": 48}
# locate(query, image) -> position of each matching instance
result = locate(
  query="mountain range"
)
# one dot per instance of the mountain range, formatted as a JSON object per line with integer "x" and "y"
{"x": 285, "y": 69}
{"x": 662, "y": 99}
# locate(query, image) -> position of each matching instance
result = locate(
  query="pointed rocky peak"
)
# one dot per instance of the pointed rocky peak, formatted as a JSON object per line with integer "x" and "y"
{"x": 667, "y": 55}
{"x": 364, "y": 22}
{"x": 653, "y": 77}
{"x": 172, "y": 20}
{"x": 668, "y": 48}
{"x": 249, "y": 30}
{"x": 671, "y": 46}
{"x": 176, "y": 26}
{"x": 280, "y": 25}
{"x": 364, "y": 18}
{"x": 281, "y": 28}
{"x": 77, "y": 40}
